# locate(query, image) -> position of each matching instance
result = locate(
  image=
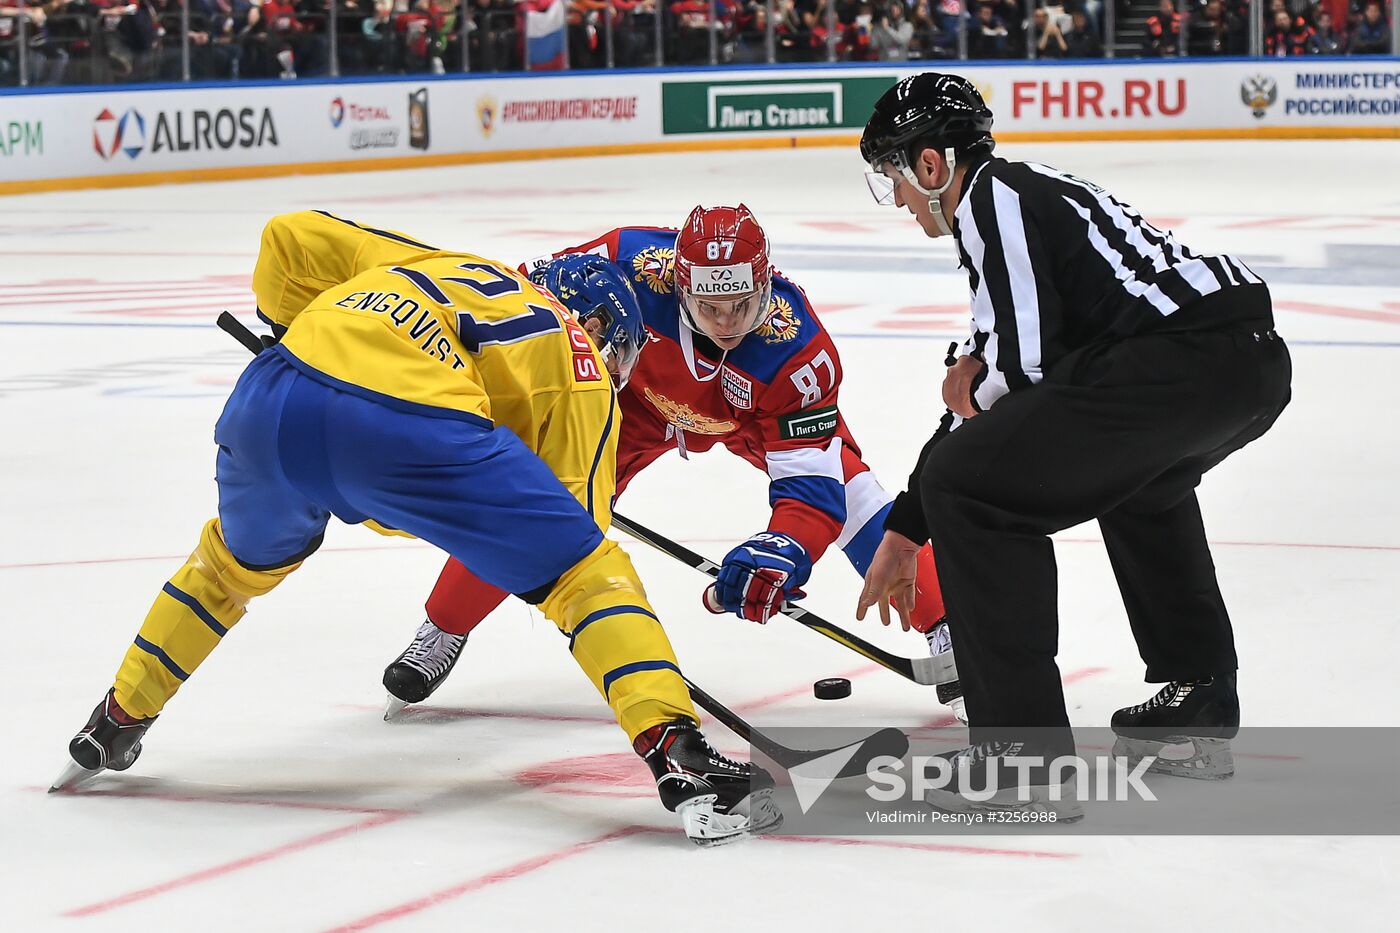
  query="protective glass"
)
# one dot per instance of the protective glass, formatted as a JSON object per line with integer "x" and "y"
{"x": 620, "y": 356}
{"x": 728, "y": 317}
{"x": 884, "y": 176}
{"x": 616, "y": 346}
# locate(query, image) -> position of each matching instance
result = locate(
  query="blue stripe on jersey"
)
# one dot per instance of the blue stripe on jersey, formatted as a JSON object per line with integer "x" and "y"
{"x": 382, "y": 233}
{"x": 598, "y": 454}
{"x": 635, "y": 667}
{"x": 160, "y": 655}
{"x": 205, "y": 616}
{"x": 820, "y": 492}
{"x": 606, "y": 613}
{"x": 388, "y": 401}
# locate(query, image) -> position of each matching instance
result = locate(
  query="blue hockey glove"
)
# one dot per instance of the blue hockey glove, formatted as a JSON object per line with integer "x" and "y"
{"x": 758, "y": 575}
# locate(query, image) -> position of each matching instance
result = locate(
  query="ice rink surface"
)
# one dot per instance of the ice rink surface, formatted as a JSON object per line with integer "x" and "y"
{"x": 271, "y": 796}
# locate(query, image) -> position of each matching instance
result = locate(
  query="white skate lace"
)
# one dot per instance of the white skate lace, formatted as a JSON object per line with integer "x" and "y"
{"x": 433, "y": 650}
{"x": 991, "y": 749}
{"x": 939, "y": 639}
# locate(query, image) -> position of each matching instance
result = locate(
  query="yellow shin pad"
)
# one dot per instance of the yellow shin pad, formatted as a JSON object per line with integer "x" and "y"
{"x": 615, "y": 637}
{"x": 205, "y": 598}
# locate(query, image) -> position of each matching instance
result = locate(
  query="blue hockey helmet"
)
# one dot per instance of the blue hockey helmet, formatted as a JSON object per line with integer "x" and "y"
{"x": 593, "y": 289}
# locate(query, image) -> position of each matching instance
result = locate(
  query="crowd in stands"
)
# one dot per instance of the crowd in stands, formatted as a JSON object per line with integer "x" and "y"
{"x": 101, "y": 41}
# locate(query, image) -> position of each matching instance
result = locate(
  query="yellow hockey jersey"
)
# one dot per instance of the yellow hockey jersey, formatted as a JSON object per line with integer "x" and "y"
{"x": 450, "y": 334}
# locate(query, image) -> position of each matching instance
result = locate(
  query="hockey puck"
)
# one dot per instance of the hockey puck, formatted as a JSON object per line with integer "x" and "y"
{"x": 833, "y": 688}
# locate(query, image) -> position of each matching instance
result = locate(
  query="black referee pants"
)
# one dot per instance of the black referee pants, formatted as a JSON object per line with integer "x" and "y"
{"x": 1117, "y": 432}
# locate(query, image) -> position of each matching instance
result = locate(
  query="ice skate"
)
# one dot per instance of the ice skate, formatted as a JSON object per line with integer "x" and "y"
{"x": 1186, "y": 727}
{"x": 982, "y": 768}
{"x": 718, "y": 800}
{"x": 940, "y": 643}
{"x": 111, "y": 741}
{"x": 422, "y": 667}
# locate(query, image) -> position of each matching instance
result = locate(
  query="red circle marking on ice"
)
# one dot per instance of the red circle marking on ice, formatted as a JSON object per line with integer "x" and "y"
{"x": 620, "y": 774}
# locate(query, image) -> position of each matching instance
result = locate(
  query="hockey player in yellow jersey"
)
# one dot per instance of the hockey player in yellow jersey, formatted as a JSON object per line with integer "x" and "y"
{"x": 444, "y": 396}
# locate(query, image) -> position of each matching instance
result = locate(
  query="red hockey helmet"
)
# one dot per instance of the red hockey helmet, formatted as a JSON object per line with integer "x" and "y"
{"x": 723, "y": 279}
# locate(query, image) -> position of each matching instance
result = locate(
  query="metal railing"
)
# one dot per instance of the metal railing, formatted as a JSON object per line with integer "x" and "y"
{"x": 186, "y": 40}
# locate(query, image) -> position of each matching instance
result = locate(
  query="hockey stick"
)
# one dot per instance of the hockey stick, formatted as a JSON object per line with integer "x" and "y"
{"x": 927, "y": 671}
{"x": 888, "y": 741}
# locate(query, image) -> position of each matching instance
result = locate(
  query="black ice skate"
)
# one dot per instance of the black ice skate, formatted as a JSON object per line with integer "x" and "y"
{"x": 422, "y": 667}
{"x": 982, "y": 779}
{"x": 1187, "y": 727}
{"x": 940, "y": 645}
{"x": 718, "y": 800}
{"x": 111, "y": 741}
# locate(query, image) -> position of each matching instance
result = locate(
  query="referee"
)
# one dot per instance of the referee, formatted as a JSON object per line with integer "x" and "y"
{"x": 1109, "y": 367}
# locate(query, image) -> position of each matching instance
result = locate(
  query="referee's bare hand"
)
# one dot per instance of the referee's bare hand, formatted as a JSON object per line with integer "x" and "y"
{"x": 890, "y": 580}
{"x": 957, "y": 385}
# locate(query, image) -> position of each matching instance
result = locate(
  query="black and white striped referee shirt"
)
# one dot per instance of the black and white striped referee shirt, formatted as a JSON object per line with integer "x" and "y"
{"x": 1054, "y": 263}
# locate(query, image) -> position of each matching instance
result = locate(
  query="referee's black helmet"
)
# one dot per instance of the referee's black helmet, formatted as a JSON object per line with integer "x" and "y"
{"x": 932, "y": 110}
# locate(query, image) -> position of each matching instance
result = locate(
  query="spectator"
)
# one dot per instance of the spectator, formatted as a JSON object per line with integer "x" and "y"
{"x": 1082, "y": 40}
{"x": 1012, "y": 14}
{"x": 794, "y": 29}
{"x": 423, "y": 36}
{"x": 1209, "y": 33}
{"x": 634, "y": 31}
{"x": 1372, "y": 36}
{"x": 1287, "y": 37}
{"x": 751, "y": 33}
{"x": 892, "y": 34}
{"x": 987, "y": 38}
{"x": 928, "y": 39}
{"x": 496, "y": 39}
{"x": 691, "y": 37}
{"x": 585, "y": 21}
{"x": 1050, "y": 42}
{"x": 378, "y": 39}
{"x": 854, "y": 42}
{"x": 1326, "y": 39}
{"x": 48, "y": 59}
{"x": 1163, "y": 31}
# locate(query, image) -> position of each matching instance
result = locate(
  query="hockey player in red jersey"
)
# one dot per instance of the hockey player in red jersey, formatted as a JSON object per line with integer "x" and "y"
{"x": 737, "y": 357}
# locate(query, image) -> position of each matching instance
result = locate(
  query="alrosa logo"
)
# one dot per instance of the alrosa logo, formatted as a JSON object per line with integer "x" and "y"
{"x": 183, "y": 131}
{"x": 112, "y": 134}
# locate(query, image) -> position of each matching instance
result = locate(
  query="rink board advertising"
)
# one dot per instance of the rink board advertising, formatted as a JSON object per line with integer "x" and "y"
{"x": 1285, "y": 781}
{"x": 93, "y": 137}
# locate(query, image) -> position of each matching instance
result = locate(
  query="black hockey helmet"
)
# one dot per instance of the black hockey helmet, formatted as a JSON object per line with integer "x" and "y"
{"x": 937, "y": 110}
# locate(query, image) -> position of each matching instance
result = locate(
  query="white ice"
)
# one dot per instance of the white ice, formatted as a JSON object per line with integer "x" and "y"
{"x": 272, "y": 797}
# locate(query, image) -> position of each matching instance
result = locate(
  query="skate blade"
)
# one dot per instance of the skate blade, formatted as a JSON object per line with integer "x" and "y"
{"x": 1201, "y": 759}
{"x": 71, "y": 776}
{"x": 706, "y": 827}
{"x": 393, "y": 706}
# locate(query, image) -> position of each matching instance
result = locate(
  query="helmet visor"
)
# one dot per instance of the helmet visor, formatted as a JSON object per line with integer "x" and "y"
{"x": 885, "y": 175}
{"x": 724, "y": 318}
{"x": 620, "y": 356}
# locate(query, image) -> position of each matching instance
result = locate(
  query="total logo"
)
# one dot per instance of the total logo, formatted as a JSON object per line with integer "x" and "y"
{"x": 357, "y": 113}
{"x": 364, "y": 137}
{"x": 112, "y": 134}
{"x": 182, "y": 131}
